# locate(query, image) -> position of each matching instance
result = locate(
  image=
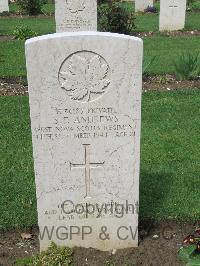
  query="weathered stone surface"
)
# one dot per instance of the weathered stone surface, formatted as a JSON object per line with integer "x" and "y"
{"x": 76, "y": 15}
{"x": 172, "y": 15}
{"x": 85, "y": 103}
{"x": 4, "y": 6}
{"x": 141, "y": 5}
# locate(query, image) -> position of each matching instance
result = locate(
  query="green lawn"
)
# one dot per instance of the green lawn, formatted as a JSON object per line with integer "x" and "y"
{"x": 46, "y": 24}
{"x": 170, "y": 164}
{"x": 168, "y": 49}
{"x": 41, "y": 25}
{"x": 150, "y": 22}
{"x": 17, "y": 193}
{"x": 195, "y": 5}
{"x": 170, "y": 167}
{"x": 12, "y": 59}
{"x": 46, "y": 9}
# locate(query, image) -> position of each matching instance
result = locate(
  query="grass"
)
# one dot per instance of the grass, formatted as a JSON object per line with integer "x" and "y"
{"x": 12, "y": 59}
{"x": 14, "y": 8}
{"x": 18, "y": 203}
{"x": 150, "y": 22}
{"x": 41, "y": 25}
{"x": 54, "y": 255}
{"x": 161, "y": 47}
{"x": 170, "y": 163}
{"x": 192, "y": 22}
{"x": 46, "y": 9}
{"x": 46, "y": 24}
{"x": 195, "y": 5}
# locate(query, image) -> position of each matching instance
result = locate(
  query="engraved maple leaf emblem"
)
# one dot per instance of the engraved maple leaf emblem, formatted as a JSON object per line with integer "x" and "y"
{"x": 85, "y": 77}
{"x": 76, "y": 5}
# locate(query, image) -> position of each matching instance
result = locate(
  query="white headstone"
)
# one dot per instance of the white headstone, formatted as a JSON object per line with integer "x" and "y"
{"x": 76, "y": 15}
{"x": 85, "y": 103}
{"x": 172, "y": 15}
{"x": 141, "y": 5}
{"x": 4, "y": 7}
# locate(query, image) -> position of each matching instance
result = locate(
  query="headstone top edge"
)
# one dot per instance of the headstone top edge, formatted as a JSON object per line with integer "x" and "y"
{"x": 81, "y": 33}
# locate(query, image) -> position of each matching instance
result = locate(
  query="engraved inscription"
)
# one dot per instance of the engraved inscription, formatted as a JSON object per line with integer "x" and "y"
{"x": 89, "y": 123}
{"x": 87, "y": 166}
{"x": 75, "y": 6}
{"x": 85, "y": 76}
{"x": 76, "y": 23}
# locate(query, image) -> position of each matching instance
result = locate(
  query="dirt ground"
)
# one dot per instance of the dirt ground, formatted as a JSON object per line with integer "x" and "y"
{"x": 158, "y": 246}
{"x": 168, "y": 82}
{"x": 169, "y": 33}
{"x": 16, "y": 86}
{"x": 138, "y": 34}
{"x": 12, "y": 86}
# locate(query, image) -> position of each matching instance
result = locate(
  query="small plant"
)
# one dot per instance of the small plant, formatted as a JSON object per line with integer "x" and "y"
{"x": 54, "y": 256}
{"x": 187, "y": 66}
{"x": 163, "y": 79}
{"x": 190, "y": 2}
{"x": 23, "y": 33}
{"x": 99, "y": 2}
{"x": 115, "y": 17}
{"x": 31, "y": 7}
{"x": 151, "y": 9}
{"x": 190, "y": 252}
{"x": 195, "y": 6}
{"x": 4, "y": 14}
{"x": 147, "y": 63}
{"x": 109, "y": 263}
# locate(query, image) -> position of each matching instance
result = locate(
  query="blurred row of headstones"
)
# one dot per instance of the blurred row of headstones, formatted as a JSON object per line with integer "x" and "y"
{"x": 172, "y": 13}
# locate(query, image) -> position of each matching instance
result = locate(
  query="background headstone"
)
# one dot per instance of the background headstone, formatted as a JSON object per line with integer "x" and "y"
{"x": 4, "y": 6}
{"x": 76, "y": 15}
{"x": 172, "y": 15}
{"x": 85, "y": 103}
{"x": 141, "y": 5}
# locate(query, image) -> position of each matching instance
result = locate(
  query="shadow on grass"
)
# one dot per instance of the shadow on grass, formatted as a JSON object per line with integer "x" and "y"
{"x": 154, "y": 192}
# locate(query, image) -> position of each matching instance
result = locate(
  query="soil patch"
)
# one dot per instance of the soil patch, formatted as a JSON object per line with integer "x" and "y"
{"x": 159, "y": 243}
{"x": 169, "y": 34}
{"x": 168, "y": 82}
{"x": 17, "y": 15}
{"x": 191, "y": 33}
{"x": 11, "y": 87}
{"x": 6, "y": 38}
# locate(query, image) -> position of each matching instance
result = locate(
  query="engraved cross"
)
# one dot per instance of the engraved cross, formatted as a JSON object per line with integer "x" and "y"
{"x": 87, "y": 165}
{"x": 173, "y": 6}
